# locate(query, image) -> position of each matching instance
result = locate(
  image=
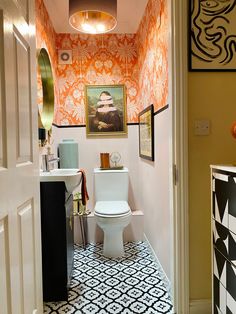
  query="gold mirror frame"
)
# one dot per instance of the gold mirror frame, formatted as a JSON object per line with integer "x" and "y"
{"x": 46, "y": 117}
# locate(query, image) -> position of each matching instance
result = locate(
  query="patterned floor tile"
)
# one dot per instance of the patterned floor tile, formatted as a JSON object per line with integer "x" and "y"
{"x": 129, "y": 285}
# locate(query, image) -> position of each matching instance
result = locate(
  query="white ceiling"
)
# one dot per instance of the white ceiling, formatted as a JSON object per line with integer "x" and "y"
{"x": 129, "y": 15}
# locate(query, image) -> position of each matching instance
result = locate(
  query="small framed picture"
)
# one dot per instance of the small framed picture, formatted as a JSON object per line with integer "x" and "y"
{"x": 146, "y": 133}
{"x": 105, "y": 110}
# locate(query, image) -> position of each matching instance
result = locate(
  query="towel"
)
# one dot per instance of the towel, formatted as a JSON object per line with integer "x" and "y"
{"x": 84, "y": 191}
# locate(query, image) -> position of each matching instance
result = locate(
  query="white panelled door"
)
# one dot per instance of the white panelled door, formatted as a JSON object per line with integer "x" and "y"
{"x": 20, "y": 240}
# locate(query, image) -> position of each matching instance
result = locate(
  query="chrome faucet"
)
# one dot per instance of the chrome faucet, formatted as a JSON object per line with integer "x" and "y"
{"x": 48, "y": 161}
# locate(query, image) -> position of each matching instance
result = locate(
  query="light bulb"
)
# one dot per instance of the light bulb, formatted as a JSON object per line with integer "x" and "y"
{"x": 88, "y": 28}
{"x": 100, "y": 28}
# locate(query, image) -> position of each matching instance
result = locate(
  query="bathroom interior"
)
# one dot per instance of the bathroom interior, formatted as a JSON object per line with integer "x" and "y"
{"x": 135, "y": 50}
{"x": 139, "y": 55}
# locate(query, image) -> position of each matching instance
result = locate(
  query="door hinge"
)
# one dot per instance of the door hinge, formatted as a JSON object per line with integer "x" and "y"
{"x": 175, "y": 175}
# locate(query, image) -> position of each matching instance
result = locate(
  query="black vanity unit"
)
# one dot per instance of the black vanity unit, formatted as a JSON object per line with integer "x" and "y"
{"x": 57, "y": 240}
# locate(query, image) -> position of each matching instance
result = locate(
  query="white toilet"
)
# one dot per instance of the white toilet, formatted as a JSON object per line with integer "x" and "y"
{"x": 112, "y": 211}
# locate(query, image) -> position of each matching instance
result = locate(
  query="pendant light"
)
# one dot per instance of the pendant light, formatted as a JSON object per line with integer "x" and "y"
{"x": 93, "y": 16}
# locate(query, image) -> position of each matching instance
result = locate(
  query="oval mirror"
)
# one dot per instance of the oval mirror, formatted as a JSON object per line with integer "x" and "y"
{"x": 46, "y": 111}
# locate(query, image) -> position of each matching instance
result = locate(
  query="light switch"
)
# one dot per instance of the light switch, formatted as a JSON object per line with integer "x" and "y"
{"x": 202, "y": 127}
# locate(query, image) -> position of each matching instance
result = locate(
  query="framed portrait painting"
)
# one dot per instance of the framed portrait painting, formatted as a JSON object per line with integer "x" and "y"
{"x": 212, "y": 35}
{"x": 146, "y": 133}
{"x": 105, "y": 110}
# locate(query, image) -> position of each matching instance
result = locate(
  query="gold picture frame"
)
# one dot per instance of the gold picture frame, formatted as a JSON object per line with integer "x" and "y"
{"x": 105, "y": 110}
{"x": 146, "y": 133}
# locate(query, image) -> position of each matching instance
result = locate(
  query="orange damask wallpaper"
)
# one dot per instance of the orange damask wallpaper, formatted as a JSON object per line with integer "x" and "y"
{"x": 139, "y": 61}
{"x": 152, "y": 50}
{"x": 46, "y": 38}
{"x": 97, "y": 60}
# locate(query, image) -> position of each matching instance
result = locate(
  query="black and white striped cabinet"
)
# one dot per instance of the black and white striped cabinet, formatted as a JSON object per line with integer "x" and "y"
{"x": 224, "y": 239}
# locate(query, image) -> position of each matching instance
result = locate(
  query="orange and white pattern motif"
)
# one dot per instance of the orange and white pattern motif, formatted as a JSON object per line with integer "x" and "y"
{"x": 139, "y": 61}
{"x": 45, "y": 38}
{"x": 152, "y": 50}
{"x": 97, "y": 60}
{"x": 45, "y": 34}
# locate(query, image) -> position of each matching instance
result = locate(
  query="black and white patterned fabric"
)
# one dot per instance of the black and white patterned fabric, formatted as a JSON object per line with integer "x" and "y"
{"x": 131, "y": 284}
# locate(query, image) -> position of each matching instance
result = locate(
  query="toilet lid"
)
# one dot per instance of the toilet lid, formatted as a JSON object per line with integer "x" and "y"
{"x": 111, "y": 207}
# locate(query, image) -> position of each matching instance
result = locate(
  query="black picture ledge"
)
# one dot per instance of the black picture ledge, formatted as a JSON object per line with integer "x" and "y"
{"x": 83, "y": 125}
{"x": 132, "y": 123}
{"x": 161, "y": 109}
{"x": 69, "y": 126}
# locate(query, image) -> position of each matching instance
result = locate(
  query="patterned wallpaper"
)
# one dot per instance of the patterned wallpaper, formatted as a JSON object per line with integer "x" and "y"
{"x": 46, "y": 38}
{"x": 97, "y": 60}
{"x": 152, "y": 50}
{"x": 139, "y": 61}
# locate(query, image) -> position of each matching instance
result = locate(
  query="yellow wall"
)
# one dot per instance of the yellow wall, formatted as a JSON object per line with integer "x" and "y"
{"x": 211, "y": 96}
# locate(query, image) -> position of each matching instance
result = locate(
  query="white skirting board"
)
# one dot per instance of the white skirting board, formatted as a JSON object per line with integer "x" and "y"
{"x": 132, "y": 233}
{"x": 200, "y": 306}
{"x": 165, "y": 278}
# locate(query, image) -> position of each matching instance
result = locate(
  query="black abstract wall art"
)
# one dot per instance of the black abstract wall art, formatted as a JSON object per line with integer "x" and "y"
{"x": 212, "y": 40}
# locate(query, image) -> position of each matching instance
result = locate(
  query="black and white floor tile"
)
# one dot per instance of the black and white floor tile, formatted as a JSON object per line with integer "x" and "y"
{"x": 131, "y": 284}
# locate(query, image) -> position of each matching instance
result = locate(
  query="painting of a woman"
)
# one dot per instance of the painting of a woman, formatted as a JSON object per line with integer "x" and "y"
{"x": 107, "y": 116}
{"x": 105, "y": 110}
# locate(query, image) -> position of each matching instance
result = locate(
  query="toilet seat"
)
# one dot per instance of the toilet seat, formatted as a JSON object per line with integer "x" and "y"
{"x": 112, "y": 208}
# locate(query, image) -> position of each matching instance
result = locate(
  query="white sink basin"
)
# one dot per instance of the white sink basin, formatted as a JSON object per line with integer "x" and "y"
{"x": 71, "y": 177}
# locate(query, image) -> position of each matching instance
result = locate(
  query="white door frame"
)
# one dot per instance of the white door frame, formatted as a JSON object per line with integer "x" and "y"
{"x": 179, "y": 57}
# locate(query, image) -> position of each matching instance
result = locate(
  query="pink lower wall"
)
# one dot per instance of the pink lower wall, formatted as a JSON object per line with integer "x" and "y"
{"x": 154, "y": 194}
